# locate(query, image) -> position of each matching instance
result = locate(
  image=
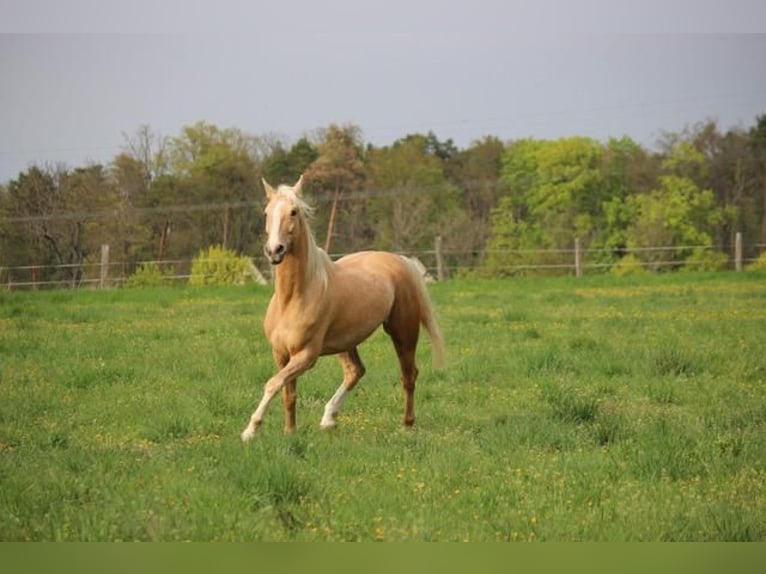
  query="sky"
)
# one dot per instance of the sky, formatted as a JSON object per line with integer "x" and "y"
{"x": 78, "y": 77}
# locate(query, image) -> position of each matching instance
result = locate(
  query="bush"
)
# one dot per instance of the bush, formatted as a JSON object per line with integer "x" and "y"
{"x": 220, "y": 266}
{"x": 757, "y": 265}
{"x": 149, "y": 275}
{"x": 706, "y": 260}
{"x": 628, "y": 265}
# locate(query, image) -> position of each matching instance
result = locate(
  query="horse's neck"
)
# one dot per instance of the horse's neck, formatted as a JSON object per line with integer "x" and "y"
{"x": 287, "y": 279}
{"x": 296, "y": 275}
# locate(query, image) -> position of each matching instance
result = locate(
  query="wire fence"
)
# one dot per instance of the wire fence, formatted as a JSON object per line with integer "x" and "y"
{"x": 437, "y": 264}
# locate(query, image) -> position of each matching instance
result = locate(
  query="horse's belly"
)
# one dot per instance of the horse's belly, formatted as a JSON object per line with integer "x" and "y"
{"x": 354, "y": 322}
{"x": 344, "y": 337}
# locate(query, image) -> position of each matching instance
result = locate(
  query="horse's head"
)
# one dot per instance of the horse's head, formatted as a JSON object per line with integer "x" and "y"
{"x": 284, "y": 214}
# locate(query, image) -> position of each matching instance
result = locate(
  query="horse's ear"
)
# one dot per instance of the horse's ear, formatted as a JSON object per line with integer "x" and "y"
{"x": 270, "y": 193}
{"x": 298, "y": 185}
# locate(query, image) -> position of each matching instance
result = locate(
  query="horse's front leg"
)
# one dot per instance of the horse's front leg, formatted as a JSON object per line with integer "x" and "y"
{"x": 298, "y": 364}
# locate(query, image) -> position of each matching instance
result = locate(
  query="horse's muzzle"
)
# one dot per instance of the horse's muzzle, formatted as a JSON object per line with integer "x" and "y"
{"x": 275, "y": 255}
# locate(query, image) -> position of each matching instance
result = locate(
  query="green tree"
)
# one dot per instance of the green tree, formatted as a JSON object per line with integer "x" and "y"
{"x": 726, "y": 164}
{"x": 556, "y": 192}
{"x": 568, "y": 196}
{"x": 5, "y": 213}
{"x": 733, "y": 183}
{"x": 677, "y": 214}
{"x": 337, "y": 173}
{"x": 136, "y": 170}
{"x": 510, "y": 247}
{"x": 148, "y": 149}
{"x": 431, "y": 145}
{"x": 628, "y": 170}
{"x": 412, "y": 201}
{"x": 132, "y": 187}
{"x": 286, "y": 166}
{"x": 757, "y": 165}
{"x": 18, "y": 245}
{"x": 475, "y": 171}
{"x": 33, "y": 203}
{"x": 216, "y": 173}
{"x": 60, "y": 218}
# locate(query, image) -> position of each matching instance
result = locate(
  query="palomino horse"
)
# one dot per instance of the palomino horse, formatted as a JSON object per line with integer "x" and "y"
{"x": 321, "y": 307}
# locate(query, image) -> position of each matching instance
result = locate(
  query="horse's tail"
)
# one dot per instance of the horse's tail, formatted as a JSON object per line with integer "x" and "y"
{"x": 427, "y": 313}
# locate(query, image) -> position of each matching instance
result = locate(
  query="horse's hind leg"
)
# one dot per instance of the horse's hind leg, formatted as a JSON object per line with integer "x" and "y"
{"x": 353, "y": 370}
{"x": 404, "y": 334}
{"x": 409, "y": 376}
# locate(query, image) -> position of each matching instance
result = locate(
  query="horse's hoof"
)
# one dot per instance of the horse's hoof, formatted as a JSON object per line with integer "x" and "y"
{"x": 247, "y": 434}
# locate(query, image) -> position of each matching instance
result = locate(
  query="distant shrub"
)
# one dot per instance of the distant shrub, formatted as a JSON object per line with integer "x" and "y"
{"x": 759, "y": 264}
{"x": 149, "y": 275}
{"x": 220, "y": 266}
{"x": 628, "y": 265}
{"x": 706, "y": 260}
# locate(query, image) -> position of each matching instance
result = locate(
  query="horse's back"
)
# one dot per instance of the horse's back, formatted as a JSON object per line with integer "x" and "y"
{"x": 370, "y": 261}
{"x": 380, "y": 270}
{"x": 366, "y": 279}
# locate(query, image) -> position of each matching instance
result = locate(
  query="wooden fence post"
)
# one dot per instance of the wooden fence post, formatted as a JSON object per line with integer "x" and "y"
{"x": 738, "y": 251}
{"x": 577, "y": 258}
{"x": 440, "y": 275}
{"x": 104, "y": 265}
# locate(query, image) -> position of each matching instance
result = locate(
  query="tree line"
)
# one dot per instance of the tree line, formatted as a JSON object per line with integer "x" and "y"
{"x": 498, "y": 206}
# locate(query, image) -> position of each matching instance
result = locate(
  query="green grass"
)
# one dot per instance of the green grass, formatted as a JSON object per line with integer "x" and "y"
{"x": 570, "y": 409}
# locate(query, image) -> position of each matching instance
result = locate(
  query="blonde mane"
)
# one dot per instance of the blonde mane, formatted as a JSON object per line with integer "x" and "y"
{"x": 317, "y": 259}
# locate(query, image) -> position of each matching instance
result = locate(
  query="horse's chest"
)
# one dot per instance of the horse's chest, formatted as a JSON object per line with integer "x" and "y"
{"x": 291, "y": 330}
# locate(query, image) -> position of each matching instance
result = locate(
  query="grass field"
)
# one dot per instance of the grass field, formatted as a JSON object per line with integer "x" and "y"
{"x": 570, "y": 409}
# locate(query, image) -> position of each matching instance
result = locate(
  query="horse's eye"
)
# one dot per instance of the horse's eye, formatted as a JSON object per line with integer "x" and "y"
{"x": 293, "y": 212}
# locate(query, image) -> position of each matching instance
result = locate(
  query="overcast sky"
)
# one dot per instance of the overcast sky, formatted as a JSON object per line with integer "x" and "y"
{"x": 512, "y": 69}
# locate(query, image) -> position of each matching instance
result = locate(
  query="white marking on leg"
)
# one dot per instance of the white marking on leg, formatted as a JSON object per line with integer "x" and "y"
{"x": 248, "y": 433}
{"x": 332, "y": 407}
